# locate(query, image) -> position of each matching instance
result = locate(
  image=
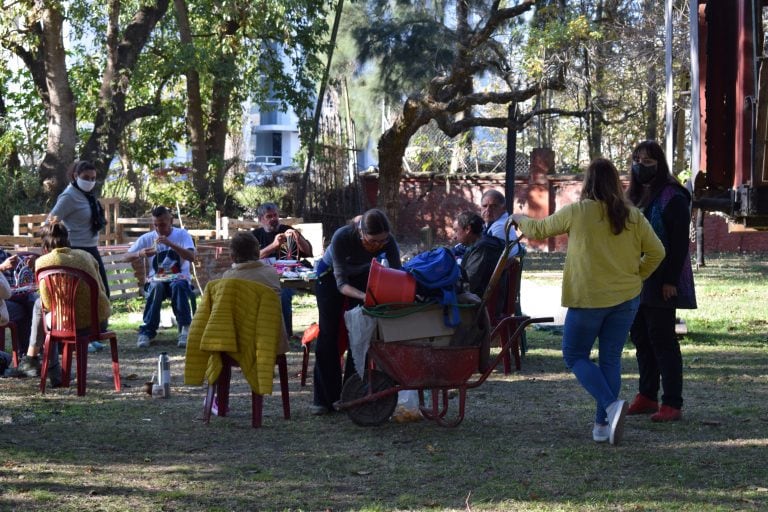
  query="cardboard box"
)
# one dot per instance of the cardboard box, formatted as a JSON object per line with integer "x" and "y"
{"x": 426, "y": 326}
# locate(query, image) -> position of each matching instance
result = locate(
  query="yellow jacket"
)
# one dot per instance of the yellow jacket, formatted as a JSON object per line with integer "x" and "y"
{"x": 601, "y": 269}
{"x": 243, "y": 319}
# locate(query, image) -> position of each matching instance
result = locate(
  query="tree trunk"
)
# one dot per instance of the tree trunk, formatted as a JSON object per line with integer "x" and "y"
{"x": 126, "y": 161}
{"x": 218, "y": 124}
{"x": 195, "y": 124}
{"x": 122, "y": 56}
{"x": 392, "y": 146}
{"x": 62, "y": 133}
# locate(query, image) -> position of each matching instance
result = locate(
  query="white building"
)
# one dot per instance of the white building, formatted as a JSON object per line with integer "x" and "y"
{"x": 272, "y": 136}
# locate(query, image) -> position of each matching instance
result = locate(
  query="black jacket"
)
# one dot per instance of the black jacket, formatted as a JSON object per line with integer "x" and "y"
{"x": 479, "y": 261}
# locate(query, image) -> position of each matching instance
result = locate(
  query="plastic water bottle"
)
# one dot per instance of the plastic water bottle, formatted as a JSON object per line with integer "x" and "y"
{"x": 384, "y": 261}
{"x": 164, "y": 373}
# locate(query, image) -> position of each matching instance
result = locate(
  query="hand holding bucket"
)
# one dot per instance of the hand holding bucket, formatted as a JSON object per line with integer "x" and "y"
{"x": 387, "y": 285}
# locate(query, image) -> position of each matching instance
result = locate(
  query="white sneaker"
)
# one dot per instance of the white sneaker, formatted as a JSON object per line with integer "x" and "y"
{"x": 183, "y": 335}
{"x": 143, "y": 341}
{"x": 617, "y": 413}
{"x": 601, "y": 433}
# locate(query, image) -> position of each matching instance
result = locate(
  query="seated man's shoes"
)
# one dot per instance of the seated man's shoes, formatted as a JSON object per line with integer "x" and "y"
{"x": 183, "y": 335}
{"x": 54, "y": 375}
{"x": 319, "y": 410}
{"x": 95, "y": 346}
{"x": 667, "y": 413}
{"x": 642, "y": 405}
{"x": 143, "y": 341}
{"x": 601, "y": 433}
{"x": 617, "y": 413}
{"x": 30, "y": 366}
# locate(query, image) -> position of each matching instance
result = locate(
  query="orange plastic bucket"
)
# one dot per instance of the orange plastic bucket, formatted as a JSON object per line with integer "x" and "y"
{"x": 387, "y": 285}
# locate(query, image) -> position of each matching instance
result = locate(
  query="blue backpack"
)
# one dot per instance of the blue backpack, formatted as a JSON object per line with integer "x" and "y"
{"x": 436, "y": 274}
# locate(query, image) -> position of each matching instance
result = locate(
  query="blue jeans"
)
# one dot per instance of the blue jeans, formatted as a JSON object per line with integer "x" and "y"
{"x": 286, "y": 296}
{"x": 610, "y": 326}
{"x": 20, "y": 311}
{"x": 179, "y": 292}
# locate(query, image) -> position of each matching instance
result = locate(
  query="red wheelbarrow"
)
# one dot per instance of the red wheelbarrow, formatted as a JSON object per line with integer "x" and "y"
{"x": 398, "y": 366}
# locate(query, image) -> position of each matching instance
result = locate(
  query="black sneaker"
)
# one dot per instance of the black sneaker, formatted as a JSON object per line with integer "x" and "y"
{"x": 30, "y": 366}
{"x": 13, "y": 372}
{"x": 54, "y": 374}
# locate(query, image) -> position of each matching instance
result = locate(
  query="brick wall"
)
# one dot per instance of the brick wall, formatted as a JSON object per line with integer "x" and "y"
{"x": 433, "y": 201}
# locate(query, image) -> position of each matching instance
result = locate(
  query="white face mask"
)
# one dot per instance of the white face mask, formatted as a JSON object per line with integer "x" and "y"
{"x": 85, "y": 185}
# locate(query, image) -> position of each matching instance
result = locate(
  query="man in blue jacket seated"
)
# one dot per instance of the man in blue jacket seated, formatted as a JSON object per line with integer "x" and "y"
{"x": 481, "y": 253}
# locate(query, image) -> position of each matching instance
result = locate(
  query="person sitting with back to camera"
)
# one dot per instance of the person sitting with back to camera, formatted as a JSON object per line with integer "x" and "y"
{"x": 57, "y": 251}
{"x": 244, "y": 251}
{"x": 170, "y": 251}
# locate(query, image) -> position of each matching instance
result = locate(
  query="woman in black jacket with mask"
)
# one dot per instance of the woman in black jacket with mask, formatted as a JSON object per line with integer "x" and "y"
{"x": 666, "y": 204}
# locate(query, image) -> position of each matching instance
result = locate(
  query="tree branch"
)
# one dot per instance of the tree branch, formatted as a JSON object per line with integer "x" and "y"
{"x": 141, "y": 111}
{"x": 452, "y": 127}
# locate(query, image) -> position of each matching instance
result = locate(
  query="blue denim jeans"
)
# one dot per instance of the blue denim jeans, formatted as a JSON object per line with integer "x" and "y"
{"x": 20, "y": 310}
{"x": 610, "y": 326}
{"x": 286, "y": 297}
{"x": 179, "y": 292}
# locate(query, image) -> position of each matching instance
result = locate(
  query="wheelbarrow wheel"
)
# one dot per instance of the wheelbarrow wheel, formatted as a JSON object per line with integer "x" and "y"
{"x": 374, "y": 412}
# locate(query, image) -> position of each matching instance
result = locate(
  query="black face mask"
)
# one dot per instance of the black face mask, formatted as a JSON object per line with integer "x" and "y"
{"x": 643, "y": 173}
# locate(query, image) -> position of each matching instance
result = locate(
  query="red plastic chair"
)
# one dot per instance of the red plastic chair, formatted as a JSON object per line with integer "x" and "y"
{"x": 221, "y": 386}
{"x": 11, "y": 325}
{"x": 501, "y": 306}
{"x": 61, "y": 283}
{"x": 310, "y": 336}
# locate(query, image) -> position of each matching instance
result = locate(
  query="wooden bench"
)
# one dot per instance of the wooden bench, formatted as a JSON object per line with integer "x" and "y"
{"x": 126, "y": 279}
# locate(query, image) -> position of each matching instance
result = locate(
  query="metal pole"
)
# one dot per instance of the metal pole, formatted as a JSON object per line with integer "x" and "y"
{"x": 318, "y": 111}
{"x": 695, "y": 98}
{"x": 511, "y": 167}
{"x": 668, "y": 107}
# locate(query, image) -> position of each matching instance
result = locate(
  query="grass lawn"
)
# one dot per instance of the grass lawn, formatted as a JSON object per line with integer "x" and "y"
{"x": 525, "y": 443}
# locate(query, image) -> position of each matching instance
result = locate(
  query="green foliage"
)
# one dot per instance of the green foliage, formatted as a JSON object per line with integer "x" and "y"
{"x": 171, "y": 190}
{"x": 551, "y": 35}
{"x": 250, "y": 197}
{"x": 409, "y": 46}
{"x": 18, "y": 194}
{"x": 118, "y": 186}
{"x": 240, "y": 50}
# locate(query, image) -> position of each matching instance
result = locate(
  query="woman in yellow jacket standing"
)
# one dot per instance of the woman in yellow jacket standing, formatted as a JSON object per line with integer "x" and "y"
{"x": 611, "y": 249}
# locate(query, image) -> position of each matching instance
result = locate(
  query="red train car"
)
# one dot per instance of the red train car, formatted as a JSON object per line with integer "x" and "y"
{"x": 733, "y": 97}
